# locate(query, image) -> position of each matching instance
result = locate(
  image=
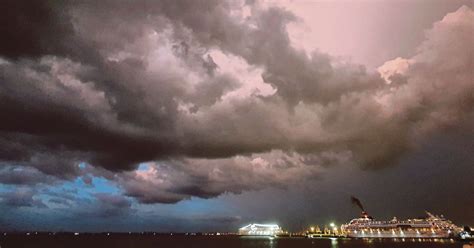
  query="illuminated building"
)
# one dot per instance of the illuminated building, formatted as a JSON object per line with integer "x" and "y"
{"x": 260, "y": 229}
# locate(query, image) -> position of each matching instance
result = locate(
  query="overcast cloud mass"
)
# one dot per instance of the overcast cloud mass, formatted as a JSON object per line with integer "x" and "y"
{"x": 119, "y": 109}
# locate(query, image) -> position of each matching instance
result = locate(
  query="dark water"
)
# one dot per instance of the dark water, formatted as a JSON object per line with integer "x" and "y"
{"x": 159, "y": 241}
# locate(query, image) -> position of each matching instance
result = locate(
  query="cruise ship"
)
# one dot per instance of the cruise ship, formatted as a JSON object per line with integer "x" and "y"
{"x": 430, "y": 227}
{"x": 261, "y": 230}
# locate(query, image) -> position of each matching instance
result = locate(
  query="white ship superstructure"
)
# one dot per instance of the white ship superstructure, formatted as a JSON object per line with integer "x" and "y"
{"x": 260, "y": 230}
{"x": 430, "y": 227}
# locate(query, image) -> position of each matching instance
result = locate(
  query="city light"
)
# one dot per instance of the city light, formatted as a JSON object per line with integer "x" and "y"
{"x": 260, "y": 230}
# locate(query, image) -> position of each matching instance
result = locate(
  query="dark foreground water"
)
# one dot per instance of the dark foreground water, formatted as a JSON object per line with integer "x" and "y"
{"x": 162, "y": 241}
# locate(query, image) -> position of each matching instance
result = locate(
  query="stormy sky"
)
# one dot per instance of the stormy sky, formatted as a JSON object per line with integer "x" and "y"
{"x": 206, "y": 115}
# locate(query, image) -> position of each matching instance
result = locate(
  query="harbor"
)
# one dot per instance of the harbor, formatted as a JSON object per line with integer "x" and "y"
{"x": 367, "y": 227}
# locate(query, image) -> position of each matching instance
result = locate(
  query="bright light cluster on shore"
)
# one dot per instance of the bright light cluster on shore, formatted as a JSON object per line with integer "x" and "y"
{"x": 260, "y": 229}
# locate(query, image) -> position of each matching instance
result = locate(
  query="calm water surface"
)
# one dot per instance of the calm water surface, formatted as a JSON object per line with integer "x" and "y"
{"x": 159, "y": 241}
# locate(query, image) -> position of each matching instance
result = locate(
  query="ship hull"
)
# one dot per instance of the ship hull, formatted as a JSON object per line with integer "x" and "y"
{"x": 398, "y": 234}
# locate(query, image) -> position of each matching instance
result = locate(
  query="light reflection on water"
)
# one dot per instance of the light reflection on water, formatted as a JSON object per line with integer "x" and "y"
{"x": 334, "y": 243}
{"x": 271, "y": 242}
{"x": 158, "y": 241}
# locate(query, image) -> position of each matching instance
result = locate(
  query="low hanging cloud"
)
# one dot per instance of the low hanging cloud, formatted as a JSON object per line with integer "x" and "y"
{"x": 14, "y": 175}
{"x": 220, "y": 99}
{"x": 174, "y": 180}
{"x": 21, "y": 197}
{"x": 112, "y": 206}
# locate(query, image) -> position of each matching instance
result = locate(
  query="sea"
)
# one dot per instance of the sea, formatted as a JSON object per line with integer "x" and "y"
{"x": 183, "y": 241}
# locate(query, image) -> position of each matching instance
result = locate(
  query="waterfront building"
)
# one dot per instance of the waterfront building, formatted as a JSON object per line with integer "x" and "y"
{"x": 261, "y": 230}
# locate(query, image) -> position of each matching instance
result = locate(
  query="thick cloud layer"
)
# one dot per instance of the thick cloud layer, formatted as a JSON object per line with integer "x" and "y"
{"x": 21, "y": 198}
{"x": 174, "y": 180}
{"x": 214, "y": 93}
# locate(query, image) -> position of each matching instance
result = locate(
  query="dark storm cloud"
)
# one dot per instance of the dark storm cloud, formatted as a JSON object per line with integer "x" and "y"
{"x": 21, "y": 197}
{"x": 19, "y": 175}
{"x": 62, "y": 115}
{"x": 116, "y": 83}
{"x": 31, "y": 28}
{"x": 99, "y": 206}
{"x": 112, "y": 205}
{"x": 175, "y": 180}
